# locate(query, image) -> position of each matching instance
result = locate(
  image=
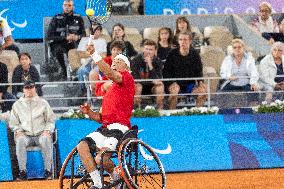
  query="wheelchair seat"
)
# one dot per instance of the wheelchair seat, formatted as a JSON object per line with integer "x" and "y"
{"x": 133, "y": 133}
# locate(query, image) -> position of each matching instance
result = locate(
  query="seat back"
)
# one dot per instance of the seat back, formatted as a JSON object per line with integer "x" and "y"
{"x": 218, "y": 36}
{"x": 10, "y": 58}
{"x": 133, "y": 133}
{"x": 212, "y": 58}
{"x": 151, "y": 33}
{"x": 129, "y": 30}
{"x": 135, "y": 40}
{"x": 35, "y": 163}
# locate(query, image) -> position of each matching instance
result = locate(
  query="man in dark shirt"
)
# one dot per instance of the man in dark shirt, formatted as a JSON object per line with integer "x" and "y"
{"x": 148, "y": 66}
{"x": 184, "y": 62}
{"x": 64, "y": 33}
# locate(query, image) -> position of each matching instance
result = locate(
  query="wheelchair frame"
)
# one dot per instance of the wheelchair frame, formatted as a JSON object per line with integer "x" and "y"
{"x": 137, "y": 172}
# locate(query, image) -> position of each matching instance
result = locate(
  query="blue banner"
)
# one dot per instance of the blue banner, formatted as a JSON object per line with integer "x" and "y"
{"x": 199, "y": 143}
{"x": 25, "y": 17}
{"x": 5, "y": 160}
{"x": 188, "y": 143}
{"x": 169, "y": 7}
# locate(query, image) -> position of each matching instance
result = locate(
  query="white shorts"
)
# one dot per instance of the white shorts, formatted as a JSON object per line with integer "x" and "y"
{"x": 107, "y": 138}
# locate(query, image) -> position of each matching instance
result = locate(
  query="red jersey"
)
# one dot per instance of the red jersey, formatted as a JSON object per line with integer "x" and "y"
{"x": 99, "y": 91}
{"x": 117, "y": 103}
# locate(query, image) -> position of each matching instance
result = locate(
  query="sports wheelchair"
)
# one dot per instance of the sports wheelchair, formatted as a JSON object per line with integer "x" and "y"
{"x": 139, "y": 164}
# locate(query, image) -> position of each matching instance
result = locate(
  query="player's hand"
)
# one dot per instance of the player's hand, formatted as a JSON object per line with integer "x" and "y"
{"x": 149, "y": 60}
{"x": 85, "y": 108}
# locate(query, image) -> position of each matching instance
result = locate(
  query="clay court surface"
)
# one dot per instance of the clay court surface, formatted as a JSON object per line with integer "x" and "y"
{"x": 244, "y": 179}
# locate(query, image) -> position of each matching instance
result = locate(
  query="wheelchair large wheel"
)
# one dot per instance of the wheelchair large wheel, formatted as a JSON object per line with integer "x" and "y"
{"x": 141, "y": 166}
{"x": 73, "y": 174}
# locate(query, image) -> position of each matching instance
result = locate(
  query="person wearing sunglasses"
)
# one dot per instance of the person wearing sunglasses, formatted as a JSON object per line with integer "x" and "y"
{"x": 32, "y": 121}
{"x": 239, "y": 71}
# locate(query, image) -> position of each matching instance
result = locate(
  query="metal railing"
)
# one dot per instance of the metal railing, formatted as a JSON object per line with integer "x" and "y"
{"x": 231, "y": 99}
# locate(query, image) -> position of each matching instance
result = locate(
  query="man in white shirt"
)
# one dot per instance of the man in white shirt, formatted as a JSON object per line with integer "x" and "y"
{"x": 99, "y": 44}
{"x": 6, "y": 40}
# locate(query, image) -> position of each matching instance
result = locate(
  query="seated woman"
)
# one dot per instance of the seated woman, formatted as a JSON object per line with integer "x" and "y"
{"x": 271, "y": 66}
{"x": 182, "y": 25}
{"x": 165, "y": 40}
{"x": 239, "y": 70}
{"x": 264, "y": 23}
{"x": 24, "y": 72}
{"x": 119, "y": 34}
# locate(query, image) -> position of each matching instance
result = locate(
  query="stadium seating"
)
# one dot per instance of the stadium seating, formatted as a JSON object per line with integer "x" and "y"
{"x": 212, "y": 58}
{"x": 10, "y": 58}
{"x": 151, "y": 33}
{"x": 129, "y": 30}
{"x": 219, "y": 36}
{"x": 135, "y": 39}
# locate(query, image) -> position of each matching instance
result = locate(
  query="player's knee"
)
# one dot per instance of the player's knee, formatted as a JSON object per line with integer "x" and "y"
{"x": 82, "y": 146}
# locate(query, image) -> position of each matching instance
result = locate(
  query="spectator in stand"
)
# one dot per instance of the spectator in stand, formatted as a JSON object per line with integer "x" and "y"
{"x": 5, "y": 106}
{"x": 165, "y": 42}
{"x": 264, "y": 23}
{"x": 118, "y": 34}
{"x": 6, "y": 102}
{"x": 3, "y": 76}
{"x": 24, "y": 72}
{"x": 32, "y": 121}
{"x": 6, "y": 39}
{"x": 64, "y": 32}
{"x": 148, "y": 66}
{"x": 184, "y": 62}
{"x": 100, "y": 88}
{"x": 100, "y": 46}
{"x": 237, "y": 66}
{"x": 281, "y": 27}
{"x": 182, "y": 25}
{"x": 271, "y": 66}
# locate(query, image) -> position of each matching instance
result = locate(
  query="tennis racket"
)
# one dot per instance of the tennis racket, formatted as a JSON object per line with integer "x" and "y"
{"x": 100, "y": 11}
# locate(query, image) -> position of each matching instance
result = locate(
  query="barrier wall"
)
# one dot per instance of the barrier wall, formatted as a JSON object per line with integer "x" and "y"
{"x": 5, "y": 160}
{"x": 199, "y": 143}
{"x": 189, "y": 143}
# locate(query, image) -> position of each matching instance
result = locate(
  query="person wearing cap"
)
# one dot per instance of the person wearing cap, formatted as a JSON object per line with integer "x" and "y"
{"x": 117, "y": 106}
{"x": 32, "y": 121}
{"x": 100, "y": 88}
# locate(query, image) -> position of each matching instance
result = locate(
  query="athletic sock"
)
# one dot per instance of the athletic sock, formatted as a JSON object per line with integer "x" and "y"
{"x": 95, "y": 175}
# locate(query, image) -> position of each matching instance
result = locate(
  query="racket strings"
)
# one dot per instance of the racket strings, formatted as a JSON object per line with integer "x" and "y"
{"x": 102, "y": 10}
